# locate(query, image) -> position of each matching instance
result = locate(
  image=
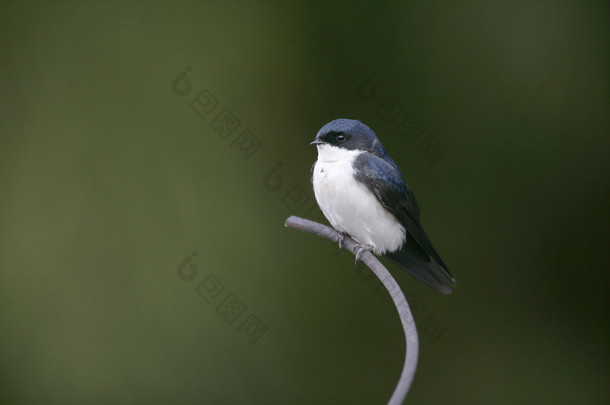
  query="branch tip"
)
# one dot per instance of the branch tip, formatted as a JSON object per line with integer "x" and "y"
{"x": 400, "y": 302}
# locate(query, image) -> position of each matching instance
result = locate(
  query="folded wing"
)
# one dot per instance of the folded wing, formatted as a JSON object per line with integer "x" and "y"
{"x": 417, "y": 256}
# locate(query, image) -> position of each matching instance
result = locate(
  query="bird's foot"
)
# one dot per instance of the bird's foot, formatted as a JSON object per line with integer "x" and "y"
{"x": 362, "y": 248}
{"x": 340, "y": 239}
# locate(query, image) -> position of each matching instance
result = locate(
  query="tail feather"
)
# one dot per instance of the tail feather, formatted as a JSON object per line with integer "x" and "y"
{"x": 415, "y": 261}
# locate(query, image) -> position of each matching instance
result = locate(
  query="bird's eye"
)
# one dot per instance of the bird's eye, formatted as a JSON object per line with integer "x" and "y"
{"x": 341, "y": 138}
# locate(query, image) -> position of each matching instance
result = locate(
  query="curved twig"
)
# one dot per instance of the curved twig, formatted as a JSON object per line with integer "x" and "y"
{"x": 402, "y": 306}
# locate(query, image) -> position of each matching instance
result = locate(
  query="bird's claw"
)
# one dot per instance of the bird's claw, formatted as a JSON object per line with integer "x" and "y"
{"x": 340, "y": 239}
{"x": 360, "y": 249}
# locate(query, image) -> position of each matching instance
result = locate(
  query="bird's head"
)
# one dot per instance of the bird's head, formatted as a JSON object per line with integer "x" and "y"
{"x": 343, "y": 135}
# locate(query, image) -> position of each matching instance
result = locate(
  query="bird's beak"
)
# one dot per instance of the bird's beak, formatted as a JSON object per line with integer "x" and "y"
{"x": 317, "y": 142}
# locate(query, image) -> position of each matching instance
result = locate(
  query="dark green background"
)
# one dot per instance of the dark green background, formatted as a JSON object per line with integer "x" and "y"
{"x": 109, "y": 180}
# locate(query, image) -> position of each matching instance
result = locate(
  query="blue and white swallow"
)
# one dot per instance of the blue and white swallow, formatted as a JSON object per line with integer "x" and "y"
{"x": 362, "y": 193}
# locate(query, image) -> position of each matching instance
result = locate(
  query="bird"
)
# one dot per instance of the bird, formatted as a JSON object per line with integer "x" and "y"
{"x": 362, "y": 193}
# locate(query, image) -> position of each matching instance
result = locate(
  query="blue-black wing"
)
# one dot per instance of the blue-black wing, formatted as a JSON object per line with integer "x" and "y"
{"x": 417, "y": 256}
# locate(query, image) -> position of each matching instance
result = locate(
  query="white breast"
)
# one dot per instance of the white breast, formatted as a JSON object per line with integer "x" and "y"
{"x": 349, "y": 206}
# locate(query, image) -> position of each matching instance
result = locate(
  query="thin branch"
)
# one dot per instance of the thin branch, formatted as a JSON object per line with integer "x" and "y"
{"x": 402, "y": 306}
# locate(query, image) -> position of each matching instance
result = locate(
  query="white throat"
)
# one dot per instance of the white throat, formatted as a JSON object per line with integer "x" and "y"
{"x": 330, "y": 153}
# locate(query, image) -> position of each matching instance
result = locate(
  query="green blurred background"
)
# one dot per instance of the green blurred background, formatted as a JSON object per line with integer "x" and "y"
{"x": 111, "y": 180}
